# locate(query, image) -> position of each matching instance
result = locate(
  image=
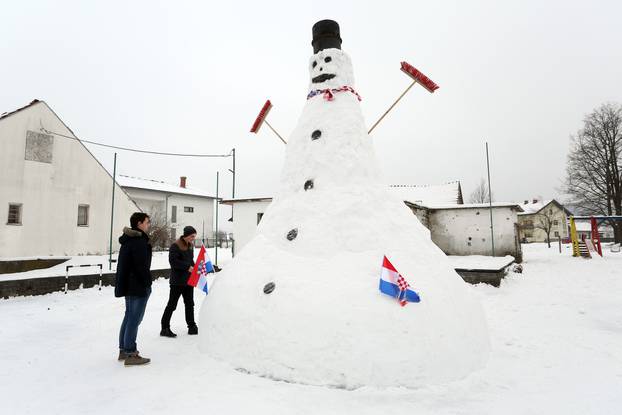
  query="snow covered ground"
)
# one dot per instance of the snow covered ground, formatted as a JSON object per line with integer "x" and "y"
{"x": 556, "y": 334}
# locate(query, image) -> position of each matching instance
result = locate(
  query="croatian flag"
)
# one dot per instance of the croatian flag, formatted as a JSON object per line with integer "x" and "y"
{"x": 393, "y": 284}
{"x": 203, "y": 266}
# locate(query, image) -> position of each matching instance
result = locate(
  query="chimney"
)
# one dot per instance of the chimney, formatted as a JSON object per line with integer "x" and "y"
{"x": 534, "y": 201}
{"x": 182, "y": 181}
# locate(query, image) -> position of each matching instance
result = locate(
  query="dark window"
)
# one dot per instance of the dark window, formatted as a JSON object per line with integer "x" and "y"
{"x": 15, "y": 214}
{"x": 259, "y": 216}
{"x": 174, "y": 214}
{"x": 173, "y": 233}
{"x": 83, "y": 215}
{"x": 188, "y": 209}
{"x": 555, "y": 222}
{"x": 556, "y": 233}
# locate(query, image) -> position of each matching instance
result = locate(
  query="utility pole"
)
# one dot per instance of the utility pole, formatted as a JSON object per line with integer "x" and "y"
{"x": 216, "y": 238}
{"x": 114, "y": 177}
{"x": 233, "y": 182}
{"x": 492, "y": 229}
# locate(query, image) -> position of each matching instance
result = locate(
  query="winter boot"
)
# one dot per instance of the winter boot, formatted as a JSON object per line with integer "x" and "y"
{"x": 167, "y": 333}
{"x": 193, "y": 329}
{"x": 123, "y": 355}
{"x": 134, "y": 359}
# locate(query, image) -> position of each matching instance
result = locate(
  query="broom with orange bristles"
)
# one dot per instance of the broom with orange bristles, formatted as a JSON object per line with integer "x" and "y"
{"x": 261, "y": 118}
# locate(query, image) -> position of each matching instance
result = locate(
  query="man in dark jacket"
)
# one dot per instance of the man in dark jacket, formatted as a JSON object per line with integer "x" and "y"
{"x": 133, "y": 281}
{"x": 181, "y": 259}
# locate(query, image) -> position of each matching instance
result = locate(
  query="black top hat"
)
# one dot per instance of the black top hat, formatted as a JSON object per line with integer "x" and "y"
{"x": 325, "y": 35}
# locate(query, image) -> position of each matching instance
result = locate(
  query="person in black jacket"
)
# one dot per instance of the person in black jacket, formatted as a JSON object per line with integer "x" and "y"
{"x": 133, "y": 281}
{"x": 181, "y": 259}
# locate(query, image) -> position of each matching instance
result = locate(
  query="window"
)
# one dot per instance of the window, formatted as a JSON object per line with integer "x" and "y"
{"x": 174, "y": 214}
{"x": 188, "y": 209}
{"x": 15, "y": 214}
{"x": 555, "y": 222}
{"x": 83, "y": 215}
{"x": 259, "y": 216}
{"x": 557, "y": 234}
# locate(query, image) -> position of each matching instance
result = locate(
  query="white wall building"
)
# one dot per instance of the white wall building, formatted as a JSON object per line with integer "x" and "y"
{"x": 541, "y": 212}
{"x": 465, "y": 229}
{"x": 247, "y": 213}
{"x": 176, "y": 205}
{"x": 55, "y": 197}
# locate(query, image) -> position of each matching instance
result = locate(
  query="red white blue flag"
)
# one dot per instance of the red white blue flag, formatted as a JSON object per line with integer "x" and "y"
{"x": 202, "y": 267}
{"x": 393, "y": 284}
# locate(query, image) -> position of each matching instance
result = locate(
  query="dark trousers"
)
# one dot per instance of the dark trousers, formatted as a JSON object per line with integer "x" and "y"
{"x": 176, "y": 291}
{"x": 134, "y": 312}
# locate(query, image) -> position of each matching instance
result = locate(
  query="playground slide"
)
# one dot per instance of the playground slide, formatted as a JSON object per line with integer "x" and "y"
{"x": 590, "y": 246}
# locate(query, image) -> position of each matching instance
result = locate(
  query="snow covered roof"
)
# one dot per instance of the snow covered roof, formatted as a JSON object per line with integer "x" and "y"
{"x": 535, "y": 206}
{"x": 159, "y": 186}
{"x": 474, "y": 206}
{"x": 441, "y": 194}
{"x": 245, "y": 199}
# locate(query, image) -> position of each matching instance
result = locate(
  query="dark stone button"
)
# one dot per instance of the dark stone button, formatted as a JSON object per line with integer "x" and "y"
{"x": 291, "y": 235}
{"x": 268, "y": 288}
{"x": 309, "y": 184}
{"x": 316, "y": 134}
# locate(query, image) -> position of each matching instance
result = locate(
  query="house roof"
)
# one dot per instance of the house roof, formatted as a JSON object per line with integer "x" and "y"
{"x": 442, "y": 194}
{"x": 245, "y": 200}
{"x": 159, "y": 186}
{"x": 535, "y": 206}
{"x": 9, "y": 113}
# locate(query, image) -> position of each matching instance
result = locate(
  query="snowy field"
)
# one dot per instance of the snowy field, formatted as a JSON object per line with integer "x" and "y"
{"x": 556, "y": 333}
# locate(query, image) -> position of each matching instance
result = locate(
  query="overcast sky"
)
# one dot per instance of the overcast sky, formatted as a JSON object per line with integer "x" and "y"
{"x": 192, "y": 76}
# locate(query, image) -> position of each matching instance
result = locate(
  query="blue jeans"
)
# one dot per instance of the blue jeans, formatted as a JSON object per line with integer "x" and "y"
{"x": 134, "y": 312}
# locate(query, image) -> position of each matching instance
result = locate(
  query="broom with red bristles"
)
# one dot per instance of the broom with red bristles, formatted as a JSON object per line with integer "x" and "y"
{"x": 261, "y": 118}
{"x": 418, "y": 78}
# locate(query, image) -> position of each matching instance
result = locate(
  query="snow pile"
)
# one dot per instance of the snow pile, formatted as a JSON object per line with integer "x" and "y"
{"x": 321, "y": 243}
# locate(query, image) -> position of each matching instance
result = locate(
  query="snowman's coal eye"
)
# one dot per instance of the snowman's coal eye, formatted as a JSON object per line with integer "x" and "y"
{"x": 328, "y": 59}
{"x": 314, "y": 64}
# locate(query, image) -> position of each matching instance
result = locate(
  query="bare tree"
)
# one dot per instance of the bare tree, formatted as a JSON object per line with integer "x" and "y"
{"x": 544, "y": 221}
{"x": 480, "y": 194}
{"x": 160, "y": 232}
{"x": 594, "y": 168}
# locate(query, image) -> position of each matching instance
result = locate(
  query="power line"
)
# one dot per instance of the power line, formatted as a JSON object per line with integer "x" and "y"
{"x": 135, "y": 150}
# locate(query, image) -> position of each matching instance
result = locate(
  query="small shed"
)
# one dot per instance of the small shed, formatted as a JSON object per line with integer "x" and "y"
{"x": 465, "y": 229}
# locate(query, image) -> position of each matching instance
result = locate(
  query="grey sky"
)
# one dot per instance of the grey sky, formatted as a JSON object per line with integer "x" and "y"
{"x": 191, "y": 77}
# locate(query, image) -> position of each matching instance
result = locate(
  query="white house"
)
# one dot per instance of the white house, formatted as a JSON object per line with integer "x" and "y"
{"x": 175, "y": 205}
{"x": 55, "y": 196}
{"x": 247, "y": 213}
{"x": 543, "y": 213}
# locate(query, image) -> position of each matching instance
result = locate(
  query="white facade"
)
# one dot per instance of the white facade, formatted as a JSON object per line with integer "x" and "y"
{"x": 175, "y": 205}
{"x": 246, "y": 216}
{"x": 536, "y": 211}
{"x": 49, "y": 177}
{"x": 465, "y": 229}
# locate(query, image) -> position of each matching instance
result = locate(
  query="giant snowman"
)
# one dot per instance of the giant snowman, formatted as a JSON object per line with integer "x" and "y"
{"x": 301, "y": 303}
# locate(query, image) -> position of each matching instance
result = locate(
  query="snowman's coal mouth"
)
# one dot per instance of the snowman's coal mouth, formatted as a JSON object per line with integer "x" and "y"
{"x": 321, "y": 78}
